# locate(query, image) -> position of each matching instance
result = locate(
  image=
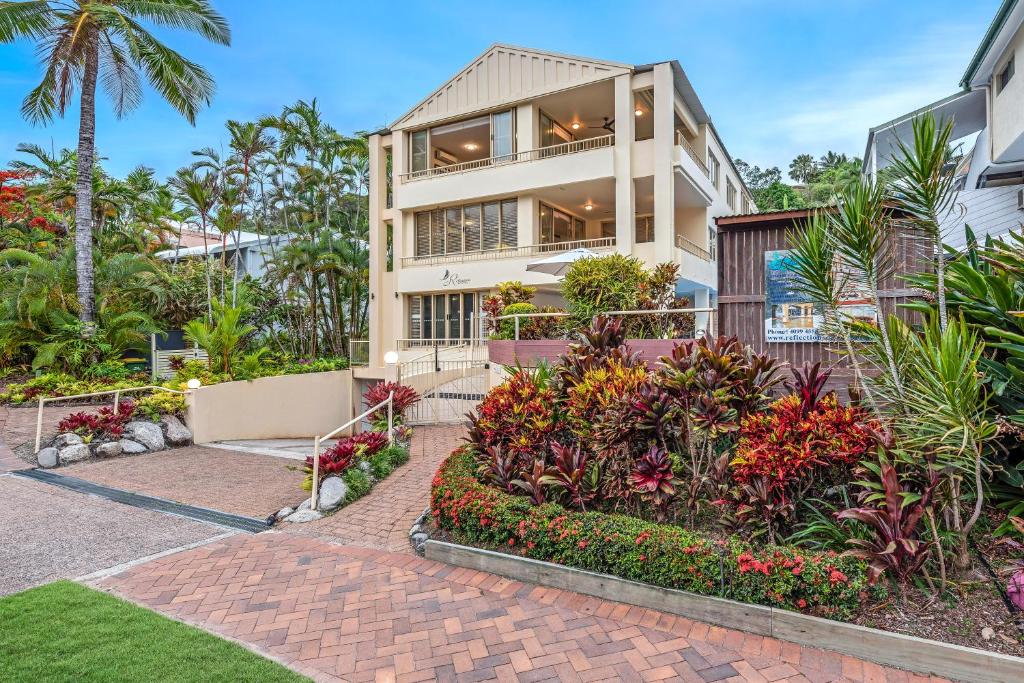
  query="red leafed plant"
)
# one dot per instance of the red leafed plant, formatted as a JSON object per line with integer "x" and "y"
{"x": 517, "y": 415}
{"x": 1015, "y": 588}
{"x": 785, "y": 447}
{"x": 809, "y": 383}
{"x": 341, "y": 455}
{"x": 654, "y": 480}
{"x": 574, "y": 474}
{"x": 104, "y": 422}
{"x": 896, "y": 546}
{"x": 404, "y": 398}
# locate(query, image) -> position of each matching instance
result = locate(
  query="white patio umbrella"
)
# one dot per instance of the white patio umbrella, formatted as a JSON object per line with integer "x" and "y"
{"x": 558, "y": 264}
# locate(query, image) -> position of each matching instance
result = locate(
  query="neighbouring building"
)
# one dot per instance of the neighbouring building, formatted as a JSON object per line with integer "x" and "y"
{"x": 990, "y": 106}
{"x": 253, "y": 250}
{"x": 523, "y": 154}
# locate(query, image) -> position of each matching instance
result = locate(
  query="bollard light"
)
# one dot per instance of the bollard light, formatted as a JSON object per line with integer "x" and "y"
{"x": 193, "y": 383}
{"x": 391, "y": 358}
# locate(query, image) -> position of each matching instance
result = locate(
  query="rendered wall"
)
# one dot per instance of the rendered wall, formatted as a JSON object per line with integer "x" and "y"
{"x": 289, "y": 406}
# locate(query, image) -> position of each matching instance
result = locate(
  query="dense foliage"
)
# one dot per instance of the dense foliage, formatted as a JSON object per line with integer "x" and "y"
{"x": 658, "y": 554}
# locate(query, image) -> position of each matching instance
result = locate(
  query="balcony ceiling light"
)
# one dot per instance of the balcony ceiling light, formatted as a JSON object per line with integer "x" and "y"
{"x": 576, "y": 125}
{"x": 638, "y": 111}
{"x": 588, "y": 207}
{"x": 471, "y": 146}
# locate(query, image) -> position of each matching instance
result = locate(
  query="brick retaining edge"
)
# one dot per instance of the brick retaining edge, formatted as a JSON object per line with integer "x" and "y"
{"x": 919, "y": 655}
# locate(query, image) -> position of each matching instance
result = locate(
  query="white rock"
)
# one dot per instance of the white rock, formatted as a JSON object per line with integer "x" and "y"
{"x": 365, "y": 466}
{"x": 148, "y": 434}
{"x": 110, "y": 449}
{"x": 47, "y": 457}
{"x": 129, "y": 446}
{"x": 284, "y": 512}
{"x": 303, "y": 516}
{"x": 175, "y": 432}
{"x": 74, "y": 453}
{"x": 988, "y": 633}
{"x": 332, "y": 491}
{"x": 304, "y": 505}
{"x": 65, "y": 440}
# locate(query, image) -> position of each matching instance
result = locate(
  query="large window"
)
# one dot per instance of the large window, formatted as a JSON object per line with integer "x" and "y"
{"x": 441, "y": 318}
{"x": 557, "y": 226}
{"x": 714, "y": 168}
{"x": 475, "y": 139}
{"x": 713, "y": 243}
{"x": 730, "y": 194}
{"x": 461, "y": 229}
{"x": 644, "y": 229}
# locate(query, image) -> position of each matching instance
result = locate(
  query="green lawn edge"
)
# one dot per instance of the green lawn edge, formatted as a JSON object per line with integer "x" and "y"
{"x": 64, "y": 631}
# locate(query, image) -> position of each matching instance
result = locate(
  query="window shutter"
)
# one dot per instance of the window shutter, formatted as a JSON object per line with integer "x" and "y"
{"x": 415, "y": 311}
{"x": 509, "y": 223}
{"x": 453, "y": 244}
{"x": 471, "y": 227}
{"x": 491, "y": 226}
{"x": 422, "y": 233}
{"x": 437, "y": 231}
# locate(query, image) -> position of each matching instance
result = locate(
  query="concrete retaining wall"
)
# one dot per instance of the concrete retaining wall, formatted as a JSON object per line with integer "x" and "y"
{"x": 283, "y": 407}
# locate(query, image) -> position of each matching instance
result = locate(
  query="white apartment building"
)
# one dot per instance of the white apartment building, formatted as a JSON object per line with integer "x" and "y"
{"x": 990, "y": 107}
{"x": 523, "y": 154}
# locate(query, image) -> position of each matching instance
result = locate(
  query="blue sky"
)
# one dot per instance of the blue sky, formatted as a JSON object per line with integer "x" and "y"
{"x": 778, "y": 77}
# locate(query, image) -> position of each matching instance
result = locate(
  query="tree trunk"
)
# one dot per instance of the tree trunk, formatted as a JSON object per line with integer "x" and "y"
{"x": 83, "y": 192}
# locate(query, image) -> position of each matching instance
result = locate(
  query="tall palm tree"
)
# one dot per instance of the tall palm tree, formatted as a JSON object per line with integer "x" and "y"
{"x": 803, "y": 168}
{"x": 198, "y": 192}
{"x": 83, "y": 42}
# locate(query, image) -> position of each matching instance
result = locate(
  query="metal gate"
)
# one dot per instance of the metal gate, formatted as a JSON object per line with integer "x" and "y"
{"x": 448, "y": 388}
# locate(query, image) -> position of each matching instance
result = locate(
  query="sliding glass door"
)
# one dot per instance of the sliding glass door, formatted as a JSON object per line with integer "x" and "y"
{"x": 444, "y": 319}
{"x": 502, "y": 132}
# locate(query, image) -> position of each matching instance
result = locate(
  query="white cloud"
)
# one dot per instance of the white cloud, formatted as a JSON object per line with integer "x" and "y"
{"x": 835, "y": 111}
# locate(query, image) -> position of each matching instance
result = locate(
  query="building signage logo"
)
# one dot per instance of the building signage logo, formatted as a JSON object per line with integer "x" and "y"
{"x": 450, "y": 279}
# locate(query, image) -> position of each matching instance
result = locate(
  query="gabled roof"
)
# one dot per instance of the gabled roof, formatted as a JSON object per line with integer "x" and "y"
{"x": 506, "y": 74}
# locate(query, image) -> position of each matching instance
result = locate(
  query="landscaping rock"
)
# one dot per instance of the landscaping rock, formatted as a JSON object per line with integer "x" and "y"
{"x": 332, "y": 491}
{"x": 110, "y": 449}
{"x": 47, "y": 457}
{"x": 365, "y": 466}
{"x": 65, "y": 440}
{"x": 148, "y": 434}
{"x": 175, "y": 432}
{"x": 129, "y": 446}
{"x": 284, "y": 512}
{"x": 304, "y": 505}
{"x": 74, "y": 453}
{"x": 303, "y": 516}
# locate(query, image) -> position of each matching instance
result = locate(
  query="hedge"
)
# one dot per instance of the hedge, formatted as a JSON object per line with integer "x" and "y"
{"x": 663, "y": 555}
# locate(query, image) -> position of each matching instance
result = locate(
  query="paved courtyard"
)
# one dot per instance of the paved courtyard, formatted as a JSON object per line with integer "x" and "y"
{"x": 51, "y": 533}
{"x": 358, "y": 614}
{"x": 240, "y": 483}
{"x": 18, "y": 432}
{"x": 382, "y": 519}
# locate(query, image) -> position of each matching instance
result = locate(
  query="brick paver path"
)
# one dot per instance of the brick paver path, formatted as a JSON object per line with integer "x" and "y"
{"x": 358, "y": 614}
{"x": 18, "y": 427}
{"x": 382, "y": 519}
{"x": 230, "y": 481}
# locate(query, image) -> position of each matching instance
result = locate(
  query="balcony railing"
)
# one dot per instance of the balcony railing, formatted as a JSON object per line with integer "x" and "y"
{"x": 508, "y": 252}
{"x": 693, "y": 248}
{"x": 514, "y": 158}
{"x": 685, "y": 144}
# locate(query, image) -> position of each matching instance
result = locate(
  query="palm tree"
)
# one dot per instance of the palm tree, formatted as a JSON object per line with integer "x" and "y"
{"x": 803, "y": 168}
{"x": 80, "y": 40}
{"x": 199, "y": 193}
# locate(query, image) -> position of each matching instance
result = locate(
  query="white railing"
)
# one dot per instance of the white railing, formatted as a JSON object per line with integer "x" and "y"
{"x": 389, "y": 402}
{"x": 710, "y": 312}
{"x": 691, "y": 247}
{"x": 693, "y": 154}
{"x": 514, "y": 158}
{"x": 358, "y": 352}
{"x": 117, "y": 400}
{"x": 409, "y": 344}
{"x": 508, "y": 252}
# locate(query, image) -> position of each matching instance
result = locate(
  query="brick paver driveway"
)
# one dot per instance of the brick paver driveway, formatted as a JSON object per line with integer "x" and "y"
{"x": 382, "y": 519}
{"x": 239, "y": 483}
{"x": 18, "y": 428}
{"x": 358, "y": 614}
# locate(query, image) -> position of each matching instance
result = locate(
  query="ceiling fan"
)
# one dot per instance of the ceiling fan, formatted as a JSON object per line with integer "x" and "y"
{"x": 607, "y": 124}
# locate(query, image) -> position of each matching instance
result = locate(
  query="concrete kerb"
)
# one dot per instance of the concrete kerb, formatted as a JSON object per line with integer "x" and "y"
{"x": 890, "y": 649}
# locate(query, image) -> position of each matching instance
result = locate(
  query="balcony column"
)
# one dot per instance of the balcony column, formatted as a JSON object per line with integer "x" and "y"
{"x": 664, "y": 142}
{"x": 378, "y": 247}
{"x": 528, "y": 231}
{"x": 527, "y": 137}
{"x": 625, "y": 201}
{"x": 701, "y": 299}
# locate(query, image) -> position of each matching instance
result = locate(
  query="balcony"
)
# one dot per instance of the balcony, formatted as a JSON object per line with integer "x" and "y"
{"x": 563, "y": 149}
{"x": 598, "y": 244}
{"x": 693, "y": 248}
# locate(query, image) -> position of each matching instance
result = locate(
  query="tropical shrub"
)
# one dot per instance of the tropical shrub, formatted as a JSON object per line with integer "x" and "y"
{"x": 222, "y": 338}
{"x": 54, "y": 385}
{"x": 403, "y": 399}
{"x": 603, "y": 283}
{"x": 518, "y": 416}
{"x": 160, "y": 403}
{"x": 345, "y": 452}
{"x": 638, "y": 550}
{"x": 103, "y": 423}
{"x": 507, "y": 328}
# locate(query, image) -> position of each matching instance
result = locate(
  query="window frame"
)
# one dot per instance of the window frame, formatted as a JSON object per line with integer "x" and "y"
{"x": 714, "y": 169}
{"x": 730, "y": 194}
{"x": 1006, "y": 74}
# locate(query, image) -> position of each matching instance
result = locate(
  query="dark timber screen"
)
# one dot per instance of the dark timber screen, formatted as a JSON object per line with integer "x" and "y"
{"x": 742, "y": 243}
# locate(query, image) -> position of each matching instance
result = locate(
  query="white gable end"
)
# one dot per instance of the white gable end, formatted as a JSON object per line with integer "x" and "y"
{"x": 504, "y": 75}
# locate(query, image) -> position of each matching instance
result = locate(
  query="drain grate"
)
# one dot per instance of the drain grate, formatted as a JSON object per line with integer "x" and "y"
{"x": 226, "y": 519}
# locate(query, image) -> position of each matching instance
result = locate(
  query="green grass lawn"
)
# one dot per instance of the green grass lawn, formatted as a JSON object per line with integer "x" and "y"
{"x": 66, "y": 632}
